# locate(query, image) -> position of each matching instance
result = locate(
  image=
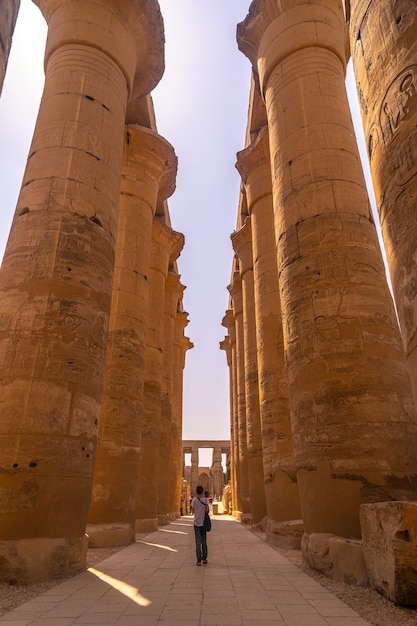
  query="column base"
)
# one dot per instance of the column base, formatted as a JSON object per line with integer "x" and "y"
{"x": 286, "y": 535}
{"x": 29, "y": 561}
{"x": 336, "y": 557}
{"x": 163, "y": 520}
{"x": 109, "y": 535}
{"x": 146, "y": 525}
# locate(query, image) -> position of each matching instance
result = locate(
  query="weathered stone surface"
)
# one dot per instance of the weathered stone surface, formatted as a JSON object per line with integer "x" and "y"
{"x": 34, "y": 560}
{"x": 242, "y": 244}
{"x": 348, "y": 563}
{"x": 109, "y": 535}
{"x": 287, "y": 535}
{"x": 389, "y": 537}
{"x": 349, "y": 388}
{"x": 280, "y": 482}
{"x": 315, "y": 551}
{"x": 148, "y": 162}
{"x": 384, "y": 54}
{"x": 8, "y": 16}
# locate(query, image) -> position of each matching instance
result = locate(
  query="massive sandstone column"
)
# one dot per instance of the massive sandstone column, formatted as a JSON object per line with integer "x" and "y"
{"x": 148, "y": 175}
{"x": 244, "y": 508}
{"x": 166, "y": 246}
{"x": 348, "y": 386}
{"x": 217, "y": 472}
{"x": 181, "y": 345}
{"x": 56, "y": 278}
{"x": 8, "y": 17}
{"x": 229, "y": 346}
{"x": 166, "y": 444}
{"x": 384, "y": 51}
{"x": 242, "y": 245}
{"x": 194, "y": 470}
{"x": 281, "y": 487}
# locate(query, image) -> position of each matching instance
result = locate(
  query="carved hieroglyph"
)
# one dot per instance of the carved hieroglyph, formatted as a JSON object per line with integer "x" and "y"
{"x": 242, "y": 244}
{"x": 148, "y": 173}
{"x": 56, "y": 278}
{"x": 383, "y": 39}
{"x": 349, "y": 389}
{"x": 242, "y": 477}
{"x": 280, "y": 482}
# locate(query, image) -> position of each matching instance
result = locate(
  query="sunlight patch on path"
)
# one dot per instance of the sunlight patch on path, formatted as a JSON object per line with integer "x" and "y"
{"x": 127, "y": 590}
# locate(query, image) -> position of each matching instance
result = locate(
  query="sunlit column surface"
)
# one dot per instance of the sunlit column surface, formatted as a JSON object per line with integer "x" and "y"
{"x": 181, "y": 345}
{"x": 167, "y": 468}
{"x": 148, "y": 174}
{"x": 229, "y": 346}
{"x": 242, "y": 478}
{"x": 242, "y": 245}
{"x": 278, "y": 453}
{"x": 56, "y": 278}
{"x": 166, "y": 243}
{"x": 383, "y": 39}
{"x": 352, "y": 412}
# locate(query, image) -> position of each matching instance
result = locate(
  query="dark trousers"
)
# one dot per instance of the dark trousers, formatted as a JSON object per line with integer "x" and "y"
{"x": 200, "y": 543}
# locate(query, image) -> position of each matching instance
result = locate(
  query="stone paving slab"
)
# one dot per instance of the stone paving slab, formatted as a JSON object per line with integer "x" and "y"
{"x": 155, "y": 581}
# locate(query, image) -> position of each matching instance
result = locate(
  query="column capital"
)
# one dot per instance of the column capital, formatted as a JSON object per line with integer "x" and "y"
{"x": 235, "y": 290}
{"x": 156, "y": 159}
{"x": 271, "y": 32}
{"x": 254, "y": 166}
{"x": 115, "y": 27}
{"x": 165, "y": 239}
{"x": 242, "y": 245}
{"x": 228, "y": 320}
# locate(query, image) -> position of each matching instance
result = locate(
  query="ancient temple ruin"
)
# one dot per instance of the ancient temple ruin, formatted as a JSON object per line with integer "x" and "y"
{"x": 323, "y": 379}
{"x": 93, "y": 344}
{"x": 322, "y": 362}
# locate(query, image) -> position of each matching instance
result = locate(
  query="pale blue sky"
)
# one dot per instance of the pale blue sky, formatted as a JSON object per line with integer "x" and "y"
{"x": 201, "y": 106}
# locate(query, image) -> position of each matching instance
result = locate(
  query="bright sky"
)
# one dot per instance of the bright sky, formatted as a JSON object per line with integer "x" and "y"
{"x": 201, "y": 107}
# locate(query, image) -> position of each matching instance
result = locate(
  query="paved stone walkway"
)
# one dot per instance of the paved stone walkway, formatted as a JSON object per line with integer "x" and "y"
{"x": 156, "y": 581}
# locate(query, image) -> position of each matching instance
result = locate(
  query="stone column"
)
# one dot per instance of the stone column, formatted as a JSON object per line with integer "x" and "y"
{"x": 8, "y": 17}
{"x": 281, "y": 489}
{"x": 348, "y": 385}
{"x": 181, "y": 345}
{"x": 384, "y": 53}
{"x": 165, "y": 242}
{"x": 194, "y": 470}
{"x": 229, "y": 346}
{"x": 149, "y": 172}
{"x": 56, "y": 281}
{"x": 166, "y": 444}
{"x": 217, "y": 472}
{"x": 242, "y": 478}
{"x": 242, "y": 244}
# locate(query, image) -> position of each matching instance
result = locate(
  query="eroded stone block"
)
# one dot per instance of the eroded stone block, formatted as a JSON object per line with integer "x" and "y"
{"x": 389, "y": 537}
{"x": 286, "y": 535}
{"x": 348, "y": 563}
